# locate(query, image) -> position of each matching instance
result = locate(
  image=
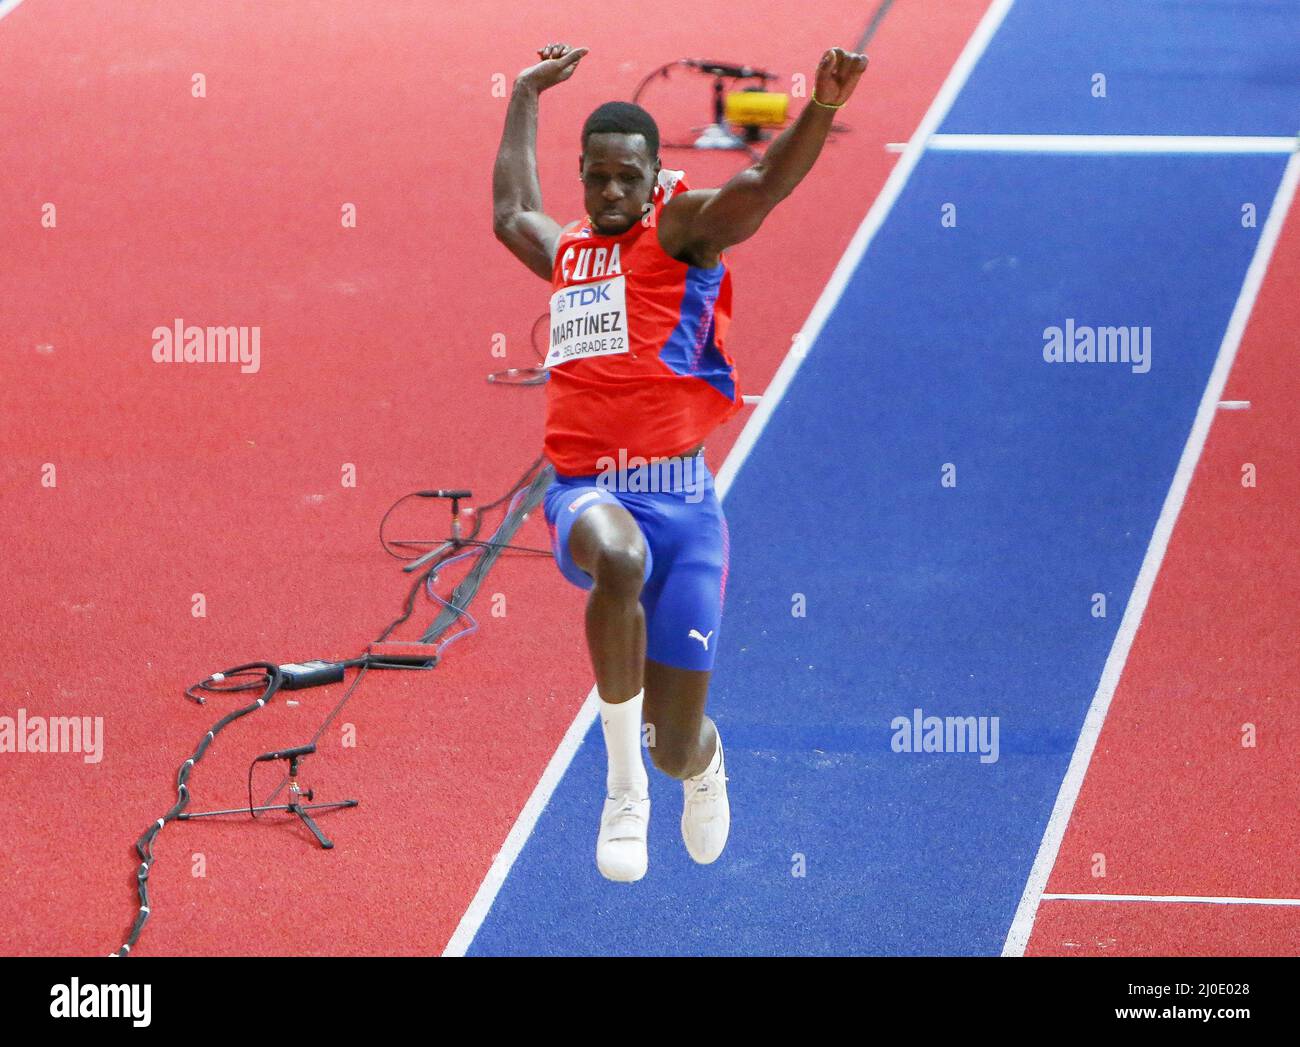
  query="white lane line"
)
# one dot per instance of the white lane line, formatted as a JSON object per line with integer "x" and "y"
{"x": 875, "y": 218}
{"x": 1171, "y": 898}
{"x": 523, "y": 827}
{"x": 979, "y": 143}
{"x": 1023, "y": 922}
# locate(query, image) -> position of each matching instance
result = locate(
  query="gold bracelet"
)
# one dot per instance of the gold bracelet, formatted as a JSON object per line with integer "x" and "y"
{"x": 825, "y": 105}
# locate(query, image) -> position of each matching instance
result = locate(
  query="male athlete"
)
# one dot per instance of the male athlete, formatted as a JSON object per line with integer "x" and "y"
{"x": 638, "y": 376}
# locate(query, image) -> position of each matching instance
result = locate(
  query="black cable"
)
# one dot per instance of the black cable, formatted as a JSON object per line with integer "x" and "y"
{"x": 542, "y": 317}
{"x": 251, "y": 810}
{"x": 212, "y": 685}
{"x": 408, "y": 606}
{"x": 478, "y": 512}
{"x": 754, "y": 155}
{"x": 535, "y": 375}
{"x": 538, "y": 480}
{"x": 877, "y": 17}
{"x": 469, "y": 586}
{"x": 268, "y": 676}
{"x": 144, "y": 845}
{"x": 663, "y": 70}
{"x": 384, "y": 544}
{"x": 508, "y": 495}
{"x": 319, "y": 731}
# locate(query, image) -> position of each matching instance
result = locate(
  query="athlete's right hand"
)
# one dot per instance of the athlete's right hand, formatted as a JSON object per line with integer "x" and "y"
{"x": 557, "y": 65}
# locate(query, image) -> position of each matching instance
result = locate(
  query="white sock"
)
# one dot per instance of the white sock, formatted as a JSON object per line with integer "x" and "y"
{"x": 713, "y": 764}
{"x": 621, "y": 722}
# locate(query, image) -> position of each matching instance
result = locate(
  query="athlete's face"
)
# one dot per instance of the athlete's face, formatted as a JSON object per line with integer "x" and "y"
{"x": 618, "y": 178}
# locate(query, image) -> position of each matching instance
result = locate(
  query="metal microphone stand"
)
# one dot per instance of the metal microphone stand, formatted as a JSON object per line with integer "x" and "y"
{"x": 296, "y": 794}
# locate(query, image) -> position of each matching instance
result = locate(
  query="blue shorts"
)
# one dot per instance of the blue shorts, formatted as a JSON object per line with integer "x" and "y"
{"x": 687, "y": 544}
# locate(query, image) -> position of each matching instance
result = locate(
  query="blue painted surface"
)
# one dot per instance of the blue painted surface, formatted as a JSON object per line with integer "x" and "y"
{"x": 972, "y": 600}
{"x": 1204, "y": 67}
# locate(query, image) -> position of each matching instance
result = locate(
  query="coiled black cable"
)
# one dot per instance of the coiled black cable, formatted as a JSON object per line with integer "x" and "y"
{"x": 144, "y": 845}
{"x": 268, "y": 677}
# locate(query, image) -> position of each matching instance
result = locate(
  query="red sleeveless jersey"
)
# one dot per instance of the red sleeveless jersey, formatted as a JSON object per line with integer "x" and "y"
{"x": 636, "y": 359}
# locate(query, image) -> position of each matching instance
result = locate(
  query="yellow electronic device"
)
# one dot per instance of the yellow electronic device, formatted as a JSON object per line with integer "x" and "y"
{"x": 756, "y": 108}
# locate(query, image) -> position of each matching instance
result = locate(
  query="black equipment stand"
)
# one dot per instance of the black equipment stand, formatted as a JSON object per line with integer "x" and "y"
{"x": 296, "y": 793}
{"x": 456, "y": 541}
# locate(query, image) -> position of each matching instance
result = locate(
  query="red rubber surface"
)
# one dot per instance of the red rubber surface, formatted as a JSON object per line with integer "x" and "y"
{"x": 174, "y": 480}
{"x": 1172, "y": 799}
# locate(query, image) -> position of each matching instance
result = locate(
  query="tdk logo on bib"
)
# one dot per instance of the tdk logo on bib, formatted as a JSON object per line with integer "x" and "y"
{"x": 584, "y": 295}
{"x": 588, "y": 320}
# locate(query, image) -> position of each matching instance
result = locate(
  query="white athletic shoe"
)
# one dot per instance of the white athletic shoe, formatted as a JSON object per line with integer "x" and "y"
{"x": 621, "y": 845}
{"x": 706, "y": 814}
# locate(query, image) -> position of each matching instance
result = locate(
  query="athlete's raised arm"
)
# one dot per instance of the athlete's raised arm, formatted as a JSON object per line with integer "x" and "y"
{"x": 703, "y": 222}
{"x": 517, "y": 216}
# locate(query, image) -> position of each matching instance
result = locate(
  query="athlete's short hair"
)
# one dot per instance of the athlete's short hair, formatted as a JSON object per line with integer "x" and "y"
{"x": 626, "y": 118}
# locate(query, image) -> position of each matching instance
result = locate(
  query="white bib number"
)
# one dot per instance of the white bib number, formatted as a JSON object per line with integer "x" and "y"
{"x": 588, "y": 320}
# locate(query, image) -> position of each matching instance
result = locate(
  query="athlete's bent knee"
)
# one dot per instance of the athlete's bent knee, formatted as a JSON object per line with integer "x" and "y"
{"x": 620, "y": 568}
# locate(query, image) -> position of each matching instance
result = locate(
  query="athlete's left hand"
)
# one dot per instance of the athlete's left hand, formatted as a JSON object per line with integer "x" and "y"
{"x": 837, "y": 75}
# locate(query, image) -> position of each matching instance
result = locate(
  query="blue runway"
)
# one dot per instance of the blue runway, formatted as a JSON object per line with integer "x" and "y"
{"x": 1171, "y": 67}
{"x": 973, "y": 600}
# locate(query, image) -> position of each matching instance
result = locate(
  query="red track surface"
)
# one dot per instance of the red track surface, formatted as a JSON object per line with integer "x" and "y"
{"x": 175, "y": 480}
{"x": 1172, "y": 799}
